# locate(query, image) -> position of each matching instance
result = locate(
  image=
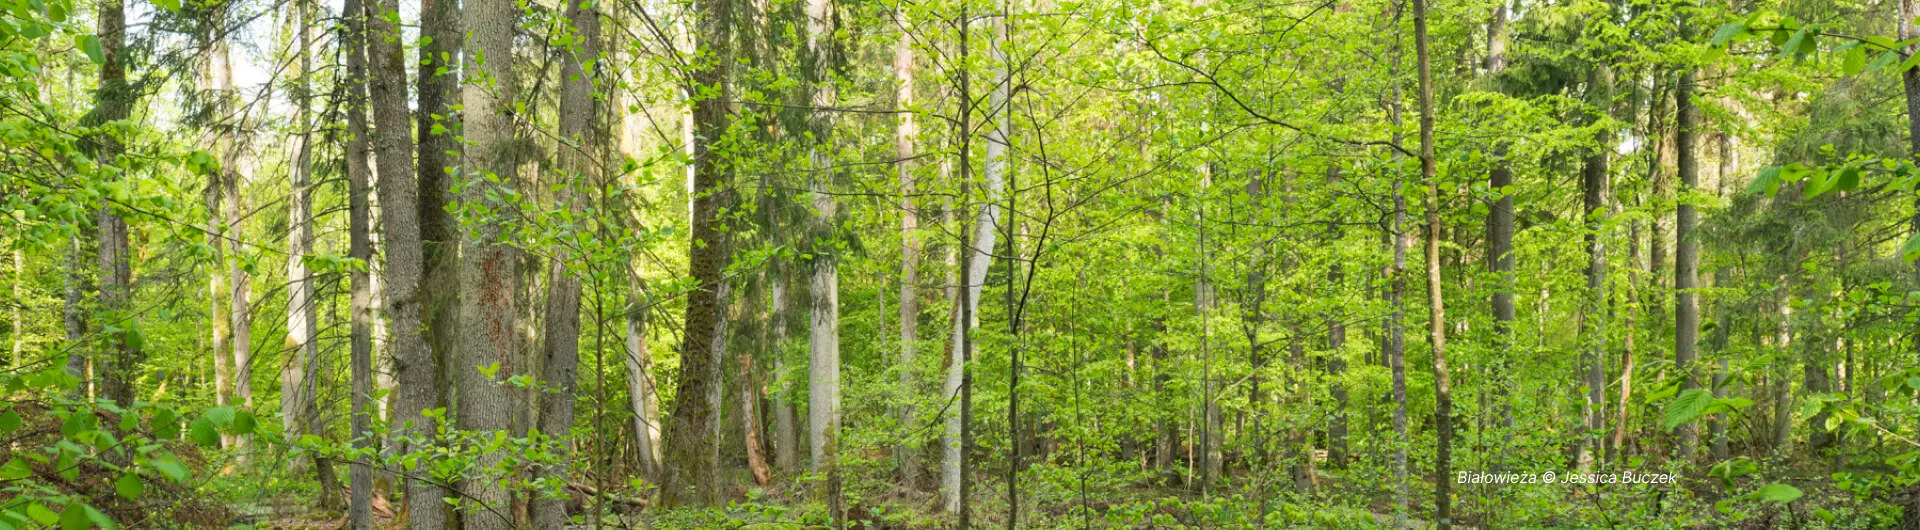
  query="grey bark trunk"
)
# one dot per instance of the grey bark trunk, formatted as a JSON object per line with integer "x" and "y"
{"x": 978, "y": 258}
{"x": 489, "y": 268}
{"x": 583, "y": 139}
{"x": 398, "y": 192}
{"x": 640, "y": 389}
{"x": 1595, "y": 179}
{"x": 1686, "y": 310}
{"x": 908, "y": 450}
{"x": 359, "y": 246}
{"x": 786, "y": 437}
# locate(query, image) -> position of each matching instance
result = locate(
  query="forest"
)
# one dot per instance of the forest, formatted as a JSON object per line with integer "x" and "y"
{"x": 918, "y": 264}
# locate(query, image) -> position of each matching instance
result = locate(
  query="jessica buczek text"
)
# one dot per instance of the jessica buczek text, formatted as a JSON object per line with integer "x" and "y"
{"x": 1629, "y": 477}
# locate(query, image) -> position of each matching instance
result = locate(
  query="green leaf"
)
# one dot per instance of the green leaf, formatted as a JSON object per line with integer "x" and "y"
{"x": 91, "y": 45}
{"x": 244, "y": 423}
{"x": 41, "y": 514}
{"x": 1911, "y": 250}
{"x": 169, "y": 5}
{"x": 74, "y": 518}
{"x": 15, "y": 469}
{"x": 1767, "y": 182}
{"x": 166, "y": 424}
{"x": 1778, "y": 492}
{"x": 1855, "y": 61}
{"x": 1727, "y": 32}
{"x": 1686, "y": 407}
{"x": 9, "y": 422}
{"x": 170, "y": 466}
{"x": 129, "y": 486}
{"x": 204, "y": 433}
{"x": 219, "y": 416}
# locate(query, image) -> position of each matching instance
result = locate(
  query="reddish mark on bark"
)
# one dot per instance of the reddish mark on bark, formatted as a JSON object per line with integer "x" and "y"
{"x": 496, "y": 308}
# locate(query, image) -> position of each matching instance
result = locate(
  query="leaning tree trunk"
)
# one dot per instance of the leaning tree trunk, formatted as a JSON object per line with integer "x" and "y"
{"x": 686, "y": 478}
{"x": 582, "y": 140}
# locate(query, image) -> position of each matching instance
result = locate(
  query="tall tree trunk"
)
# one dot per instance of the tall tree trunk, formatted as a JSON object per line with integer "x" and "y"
{"x": 113, "y": 100}
{"x": 489, "y": 268}
{"x": 1397, "y": 297}
{"x": 18, "y": 330}
{"x": 360, "y": 247}
{"x": 687, "y": 477}
{"x": 1500, "y": 222}
{"x": 300, "y": 379}
{"x": 1336, "y": 344}
{"x": 412, "y": 361}
{"x": 957, "y": 437}
{"x": 750, "y": 420}
{"x": 1686, "y": 306}
{"x": 640, "y": 388}
{"x": 904, "y": 131}
{"x": 786, "y": 437}
{"x": 582, "y": 142}
{"x": 437, "y": 83}
{"x": 74, "y": 318}
{"x": 1436, "y": 313}
{"x": 1594, "y": 186}
{"x": 234, "y": 164}
{"x": 1723, "y": 331}
{"x": 823, "y": 343}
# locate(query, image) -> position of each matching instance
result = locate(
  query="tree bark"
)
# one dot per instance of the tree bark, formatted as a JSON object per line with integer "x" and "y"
{"x": 1436, "y": 309}
{"x": 786, "y": 437}
{"x": 823, "y": 368}
{"x": 300, "y": 379}
{"x": 1397, "y": 298}
{"x": 582, "y": 141}
{"x": 1500, "y": 220}
{"x": 398, "y": 192}
{"x": 1594, "y": 180}
{"x": 234, "y": 164}
{"x": 1686, "y": 306}
{"x": 437, "y": 83}
{"x": 904, "y": 131}
{"x": 974, "y": 274}
{"x": 687, "y": 478}
{"x": 489, "y": 268}
{"x": 359, "y": 247}
{"x": 113, "y": 100}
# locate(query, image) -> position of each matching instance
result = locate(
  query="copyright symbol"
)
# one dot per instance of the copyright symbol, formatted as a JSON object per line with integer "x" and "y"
{"x": 1548, "y": 477}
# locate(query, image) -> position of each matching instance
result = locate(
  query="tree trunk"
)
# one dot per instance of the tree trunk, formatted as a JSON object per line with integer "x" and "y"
{"x": 1436, "y": 313}
{"x": 1686, "y": 305}
{"x": 300, "y": 379}
{"x": 113, "y": 101}
{"x": 687, "y": 478}
{"x": 640, "y": 389}
{"x": 823, "y": 343}
{"x": 437, "y": 83}
{"x": 973, "y": 272}
{"x": 786, "y": 437}
{"x": 1336, "y": 344}
{"x": 1500, "y": 222}
{"x": 1594, "y": 179}
{"x": 904, "y": 131}
{"x": 1397, "y": 319}
{"x": 489, "y": 268}
{"x": 233, "y": 164}
{"x": 582, "y": 141}
{"x": 360, "y": 247}
{"x": 412, "y": 361}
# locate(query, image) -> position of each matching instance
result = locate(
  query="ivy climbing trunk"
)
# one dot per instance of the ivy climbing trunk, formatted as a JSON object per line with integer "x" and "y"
{"x": 688, "y": 477}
